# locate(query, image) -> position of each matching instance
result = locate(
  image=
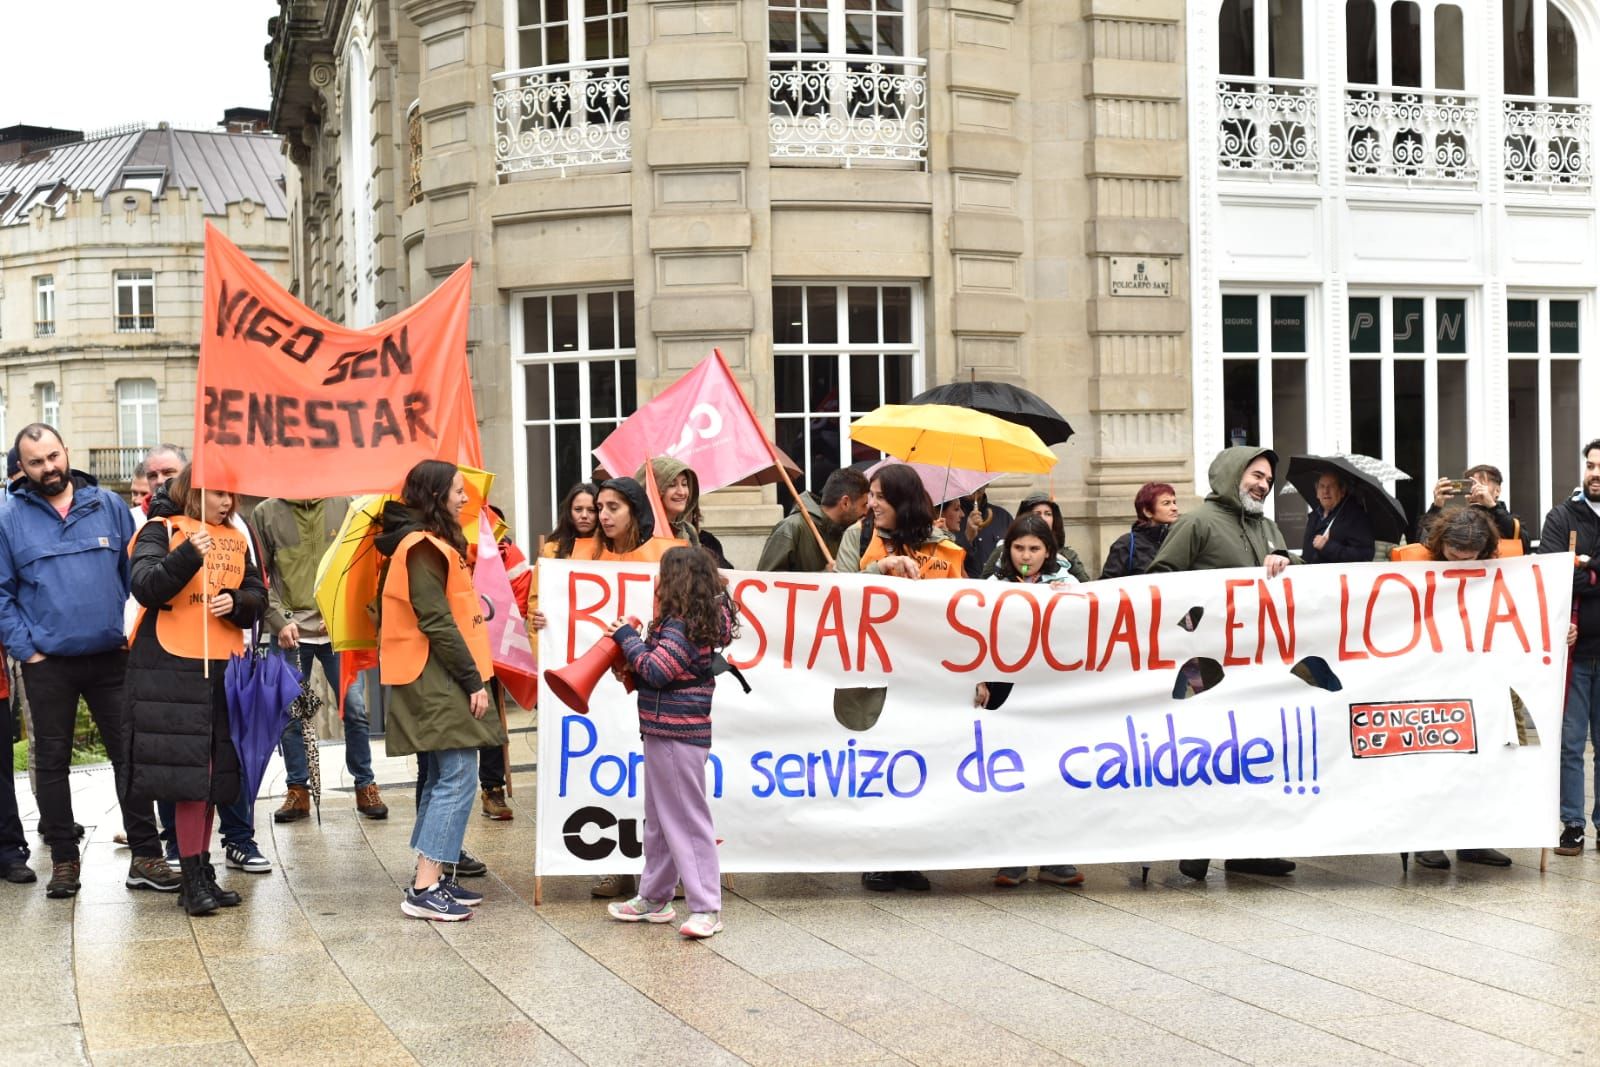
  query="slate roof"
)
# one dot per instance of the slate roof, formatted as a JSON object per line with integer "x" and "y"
{"x": 224, "y": 168}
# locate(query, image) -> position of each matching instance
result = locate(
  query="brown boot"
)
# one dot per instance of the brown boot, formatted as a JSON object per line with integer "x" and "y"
{"x": 296, "y": 806}
{"x": 495, "y": 806}
{"x": 369, "y": 803}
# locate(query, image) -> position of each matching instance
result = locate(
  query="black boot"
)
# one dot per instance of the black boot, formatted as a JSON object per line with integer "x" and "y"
{"x": 227, "y": 898}
{"x": 195, "y": 896}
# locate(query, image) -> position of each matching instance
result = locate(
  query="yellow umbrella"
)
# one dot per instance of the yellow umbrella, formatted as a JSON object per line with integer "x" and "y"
{"x": 347, "y": 577}
{"x": 953, "y": 437}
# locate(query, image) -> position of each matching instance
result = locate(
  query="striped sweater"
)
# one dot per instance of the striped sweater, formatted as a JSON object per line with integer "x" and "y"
{"x": 666, "y": 658}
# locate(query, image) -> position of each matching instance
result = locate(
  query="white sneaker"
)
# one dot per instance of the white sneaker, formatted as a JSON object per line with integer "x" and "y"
{"x": 702, "y": 924}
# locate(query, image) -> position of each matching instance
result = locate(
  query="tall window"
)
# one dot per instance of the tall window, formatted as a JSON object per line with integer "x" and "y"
{"x": 1405, "y": 116}
{"x": 1408, "y": 388}
{"x": 1268, "y": 112}
{"x": 1404, "y": 43}
{"x": 1261, "y": 40}
{"x": 355, "y": 182}
{"x": 1543, "y": 344}
{"x": 44, "y": 305}
{"x": 138, "y": 404}
{"x": 136, "y": 301}
{"x": 580, "y": 49}
{"x": 48, "y": 403}
{"x": 1547, "y": 131}
{"x": 838, "y": 352}
{"x": 1264, "y": 372}
{"x": 575, "y": 362}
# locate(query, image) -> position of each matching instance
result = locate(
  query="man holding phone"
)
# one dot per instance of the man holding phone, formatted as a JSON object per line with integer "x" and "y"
{"x": 1479, "y": 487}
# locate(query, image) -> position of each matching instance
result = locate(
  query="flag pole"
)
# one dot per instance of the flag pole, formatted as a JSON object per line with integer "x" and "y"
{"x": 776, "y": 462}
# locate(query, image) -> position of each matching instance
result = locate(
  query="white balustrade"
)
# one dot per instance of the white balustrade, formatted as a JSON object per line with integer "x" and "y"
{"x": 1548, "y": 143}
{"x": 1413, "y": 135}
{"x": 562, "y": 116}
{"x": 1266, "y": 126}
{"x": 848, "y": 107}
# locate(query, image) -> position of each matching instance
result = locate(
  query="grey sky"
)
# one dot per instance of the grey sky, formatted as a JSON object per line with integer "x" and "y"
{"x": 89, "y": 64}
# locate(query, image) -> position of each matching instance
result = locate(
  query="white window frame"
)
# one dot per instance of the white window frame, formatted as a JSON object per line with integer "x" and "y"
{"x": 1429, "y": 357}
{"x": 836, "y": 34}
{"x": 1383, "y": 30}
{"x": 577, "y": 38}
{"x": 1262, "y": 43}
{"x": 44, "y": 305}
{"x": 841, "y": 351}
{"x": 1541, "y": 52}
{"x": 48, "y": 399}
{"x": 1548, "y": 460}
{"x": 135, "y": 281}
{"x": 585, "y": 357}
{"x": 151, "y": 181}
{"x": 141, "y": 413}
{"x": 355, "y": 181}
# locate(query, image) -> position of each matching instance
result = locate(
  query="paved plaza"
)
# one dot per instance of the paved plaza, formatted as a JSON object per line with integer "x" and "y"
{"x": 1349, "y": 961}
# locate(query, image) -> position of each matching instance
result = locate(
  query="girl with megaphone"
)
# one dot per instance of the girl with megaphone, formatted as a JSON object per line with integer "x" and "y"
{"x": 673, "y": 665}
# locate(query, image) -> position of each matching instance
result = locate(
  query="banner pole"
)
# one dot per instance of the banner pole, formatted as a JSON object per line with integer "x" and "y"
{"x": 772, "y": 453}
{"x": 205, "y": 591}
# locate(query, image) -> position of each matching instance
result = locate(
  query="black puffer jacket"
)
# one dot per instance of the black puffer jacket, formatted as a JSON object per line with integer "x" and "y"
{"x": 179, "y": 744}
{"x": 1134, "y": 551}
{"x": 1566, "y": 518}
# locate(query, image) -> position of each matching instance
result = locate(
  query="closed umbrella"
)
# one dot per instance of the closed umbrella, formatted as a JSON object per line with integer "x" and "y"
{"x": 1004, "y": 401}
{"x": 1388, "y": 517}
{"x": 303, "y": 709}
{"x": 260, "y": 686}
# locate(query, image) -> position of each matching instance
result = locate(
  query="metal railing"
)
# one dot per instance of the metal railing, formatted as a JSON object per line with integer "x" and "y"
{"x": 44, "y": 329}
{"x": 562, "y": 116}
{"x": 414, "y": 153}
{"x": 1266, "y": 126}
{"x": 1548, "y": 143}
{"x": 847, "y": 107}
{"x": 136, "y": 323}
{"x": 115, "y": 464}
{"x": 1415, "y": 135}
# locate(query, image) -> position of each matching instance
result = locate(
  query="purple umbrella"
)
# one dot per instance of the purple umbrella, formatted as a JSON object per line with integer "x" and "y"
{"x": 942, "y": 483}
{"x": 260, "y": 685}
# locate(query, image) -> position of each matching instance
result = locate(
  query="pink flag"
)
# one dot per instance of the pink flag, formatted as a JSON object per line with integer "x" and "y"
{"x": 509, "y": 645}
{"x": 702, "y": 420}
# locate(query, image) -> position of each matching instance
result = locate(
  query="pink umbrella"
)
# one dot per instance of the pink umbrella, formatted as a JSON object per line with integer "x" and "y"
{"x": 942, "y": 483}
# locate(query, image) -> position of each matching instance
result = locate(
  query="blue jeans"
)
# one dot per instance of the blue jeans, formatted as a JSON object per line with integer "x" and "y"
{"x": 445, "y": 804}
{"x": 1580, "y": 722}
{"x": 357, "y": 739}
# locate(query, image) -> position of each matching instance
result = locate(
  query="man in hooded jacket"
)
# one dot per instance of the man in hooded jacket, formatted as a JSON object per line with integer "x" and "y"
{"x": 790, "y": 547}
{"x": 1230, "y": 529}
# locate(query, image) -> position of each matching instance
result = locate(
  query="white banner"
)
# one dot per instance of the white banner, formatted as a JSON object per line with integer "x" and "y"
{"x": 1329, "y": 711}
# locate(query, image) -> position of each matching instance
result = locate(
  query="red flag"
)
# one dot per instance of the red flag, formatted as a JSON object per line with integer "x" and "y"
{"x": 289, "y": 404}
{"x": 703, "y": 420}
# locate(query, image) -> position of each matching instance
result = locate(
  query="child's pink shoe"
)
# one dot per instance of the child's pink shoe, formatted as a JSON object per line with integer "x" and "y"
{"x": 701, "y": 924}
{"x": 640, "y": 910}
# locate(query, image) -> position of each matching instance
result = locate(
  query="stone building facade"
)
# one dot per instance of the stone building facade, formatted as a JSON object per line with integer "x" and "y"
{"x": 101, "y": 266}
{"x": 853, "y": 201}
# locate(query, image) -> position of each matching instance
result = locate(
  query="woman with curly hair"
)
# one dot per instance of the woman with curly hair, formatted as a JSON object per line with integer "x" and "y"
{"x": 673, "y": 667}
{"x": 433, "y": 653}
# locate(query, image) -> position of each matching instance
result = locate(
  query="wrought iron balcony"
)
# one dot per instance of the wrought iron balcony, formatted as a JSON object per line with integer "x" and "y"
{"x": 44, "y": 328}
{"x": 847, "y": 107}
{"x": 1267, "y": 126}
{"x": 115, "y": 464}
{"x": 1413, "y": 135}
{"x": 136, "y": 323}
{"x": 1549, "y": 144}
{"x": 552, "y": 118}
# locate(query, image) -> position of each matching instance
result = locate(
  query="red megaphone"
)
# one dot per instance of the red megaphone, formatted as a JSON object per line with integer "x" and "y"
{"x": 573, "y": 683}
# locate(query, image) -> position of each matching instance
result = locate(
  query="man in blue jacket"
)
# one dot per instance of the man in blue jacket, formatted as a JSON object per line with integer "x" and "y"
{"x": 63, "y": 583}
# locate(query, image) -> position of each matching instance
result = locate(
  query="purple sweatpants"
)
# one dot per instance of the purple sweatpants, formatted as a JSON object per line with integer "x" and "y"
{"x": 679, "y": 840}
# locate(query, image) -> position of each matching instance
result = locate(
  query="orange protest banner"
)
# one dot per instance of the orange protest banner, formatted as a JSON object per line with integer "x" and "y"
{"x": 289, "y": 404}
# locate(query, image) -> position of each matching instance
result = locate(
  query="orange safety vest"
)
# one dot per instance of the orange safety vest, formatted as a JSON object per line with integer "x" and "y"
{"x": 402, "y": 646}
{"x": 935, "y": 559}
{"x": 583, "y": 549}
{"x": 184, "y": 625}
{"x": 649, "y": 552}
{"x": 1509, "y": 547}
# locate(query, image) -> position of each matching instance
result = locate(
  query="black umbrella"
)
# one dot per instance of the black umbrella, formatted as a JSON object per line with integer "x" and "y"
{"x": 1009, "y": 402}
{"x": 1388, "y": 517}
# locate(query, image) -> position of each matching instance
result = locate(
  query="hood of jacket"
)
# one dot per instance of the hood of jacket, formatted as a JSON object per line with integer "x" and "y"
{"x": 639, "y": 501}
{"x": 160, "y": 505}
{"x": 395, "y": 522}
{"x": 1033, "y": 500}
{"x": 825, "y": 525}
{"x": 1227, "y": 471}
{"x": 666, "y": 469}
